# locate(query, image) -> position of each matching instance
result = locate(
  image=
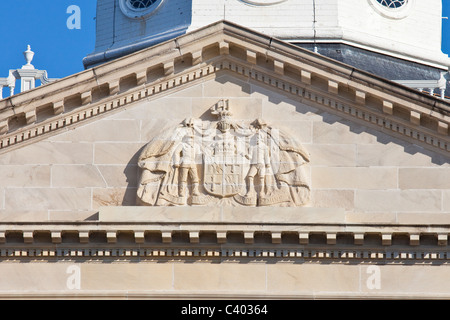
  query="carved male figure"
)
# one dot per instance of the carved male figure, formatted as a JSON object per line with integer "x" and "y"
{"x": 259, "y": 156}
{"x": 185, "y": 159}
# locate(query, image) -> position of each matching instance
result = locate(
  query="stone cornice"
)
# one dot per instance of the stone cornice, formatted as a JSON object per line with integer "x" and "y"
{"x": 227, "y": 234}
{"x": 369, "y": 243}
{"x": 178, "y": 63}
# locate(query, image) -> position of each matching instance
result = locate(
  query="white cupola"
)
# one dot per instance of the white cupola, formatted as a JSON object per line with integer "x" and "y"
{"x": 404, "y": 29}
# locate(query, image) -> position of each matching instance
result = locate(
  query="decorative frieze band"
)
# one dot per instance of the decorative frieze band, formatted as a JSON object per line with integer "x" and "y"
{"x": 160, "y": 234}
{"x": 304, "y": 254}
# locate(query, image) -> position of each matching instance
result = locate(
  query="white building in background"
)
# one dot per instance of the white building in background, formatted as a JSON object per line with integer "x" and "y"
{"x": 397, "y": 40}
{"x": 315, "y": 170}
{"x": 409, "y": 29}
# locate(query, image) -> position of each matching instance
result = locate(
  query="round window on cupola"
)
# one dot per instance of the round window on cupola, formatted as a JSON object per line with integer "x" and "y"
{"x": 139, "y": 8}
{"x": 393, "y": 9}
{"x": 141, "y": 4}
{"x": 393, "y": 4}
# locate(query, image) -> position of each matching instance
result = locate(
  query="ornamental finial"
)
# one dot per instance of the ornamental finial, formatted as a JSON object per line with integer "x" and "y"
{"x": 28, "y": 54}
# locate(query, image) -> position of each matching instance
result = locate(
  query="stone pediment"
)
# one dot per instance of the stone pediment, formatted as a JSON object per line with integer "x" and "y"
{"x": 224, "y": 47}
{"x": 69, "y": 196}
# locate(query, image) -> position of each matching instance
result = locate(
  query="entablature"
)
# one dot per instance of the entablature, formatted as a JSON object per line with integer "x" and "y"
{"x": 227, "y": 233}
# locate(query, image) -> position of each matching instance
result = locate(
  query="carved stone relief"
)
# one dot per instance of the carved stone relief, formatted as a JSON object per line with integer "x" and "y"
{"x": 223, "y": 162}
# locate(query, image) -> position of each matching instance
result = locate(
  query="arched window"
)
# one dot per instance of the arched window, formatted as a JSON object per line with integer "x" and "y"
{"x": 393, "y": 3}
{"x": 138, "y": 9}
{"x": 141, "y": 4}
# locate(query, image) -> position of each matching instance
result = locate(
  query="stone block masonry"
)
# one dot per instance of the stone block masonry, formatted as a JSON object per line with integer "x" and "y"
{"x": 94, "y": 165}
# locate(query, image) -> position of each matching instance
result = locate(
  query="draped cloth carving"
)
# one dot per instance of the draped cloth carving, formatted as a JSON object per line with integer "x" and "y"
{"x": 223, "y": 162}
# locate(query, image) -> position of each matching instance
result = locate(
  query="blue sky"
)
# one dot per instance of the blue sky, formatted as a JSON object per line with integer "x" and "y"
{"x": 43, "y": 25}
{"x": 59, "y": 50}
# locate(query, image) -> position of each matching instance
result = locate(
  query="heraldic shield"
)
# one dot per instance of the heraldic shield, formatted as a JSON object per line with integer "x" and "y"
{"x": 223, "y": 169}
{"x": 223, "y": 162}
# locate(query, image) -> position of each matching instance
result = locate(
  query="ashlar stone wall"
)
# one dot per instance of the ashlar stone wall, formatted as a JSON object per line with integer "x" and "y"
{"x": 371, "y": 174}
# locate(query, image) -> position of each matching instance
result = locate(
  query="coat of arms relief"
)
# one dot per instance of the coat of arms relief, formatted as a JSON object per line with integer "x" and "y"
{"x": 223, "y": 162}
